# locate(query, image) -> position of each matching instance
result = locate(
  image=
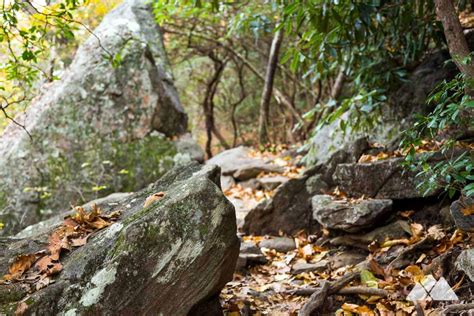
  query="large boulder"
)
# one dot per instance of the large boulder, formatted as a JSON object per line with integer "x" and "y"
{"x": 289, "y": 210}
{"x": 98, "y": 130}
{"x": 388, "y": 179}
{"x": 171, "y": 257}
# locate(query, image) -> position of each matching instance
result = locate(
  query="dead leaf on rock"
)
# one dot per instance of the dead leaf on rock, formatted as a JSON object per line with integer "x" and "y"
{"x": 22, "y": 263}
{"x": 153, "y": 198}
{"x": 468, "y": 210}
{"x": 21, "y": 309}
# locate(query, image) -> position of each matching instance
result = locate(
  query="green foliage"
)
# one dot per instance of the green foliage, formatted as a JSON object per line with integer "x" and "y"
{"x": 452, "y": 110}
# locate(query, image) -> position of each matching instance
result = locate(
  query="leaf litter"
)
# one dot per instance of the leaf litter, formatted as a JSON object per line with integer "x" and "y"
{"x": 36, "y": 271}
{"x": 273, "y": 289}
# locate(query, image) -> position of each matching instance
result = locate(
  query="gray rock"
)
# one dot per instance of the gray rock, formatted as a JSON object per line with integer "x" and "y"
{"x": 236, "y": 162}
{"x": 228, "y": 158}
{"x": 288, "y": 211}
{"x": 98, "y": 130}
{"x": 396, "y": 230}
{"x": 347, "y": 216}
{"x": 253, "y": 168}
{"x": 253, "y": 184}
{"x": 280, "y": 244}
{"x": 346, "y": 258}
{"x": 249, "y": 255}
{"x": 227, "y": 182}
{"x": 188, "y": 146}
{"x": 170, "y": 258}
{"x": 380, "y": 179}
{"x": 271, "y": 183}
{"x": 464, "y": 222}
{"x": 249, "y": 247}
{"x": 465, "y": 263}
{"x": 302, "y": 267}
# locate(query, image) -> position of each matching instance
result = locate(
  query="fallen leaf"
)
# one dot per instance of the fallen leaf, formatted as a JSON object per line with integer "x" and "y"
{"x": 468, "y": 210}
{"x": 21, "y": 264}
{"x": 153, "y": 198}
{"x": 21, "y": 308}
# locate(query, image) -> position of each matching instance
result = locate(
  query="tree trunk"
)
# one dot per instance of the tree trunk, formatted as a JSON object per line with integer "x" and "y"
{"x": 338, "y": 85}
{"x": 208, "y": 104}
{"x": 453, "y": 31}
{"x": 268, "y": 88}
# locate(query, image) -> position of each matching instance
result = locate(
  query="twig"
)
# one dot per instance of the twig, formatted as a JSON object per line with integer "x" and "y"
{"x": 457, "y": 308}
{"x": 317, "y": 298}
{"x": 351, "y": 290}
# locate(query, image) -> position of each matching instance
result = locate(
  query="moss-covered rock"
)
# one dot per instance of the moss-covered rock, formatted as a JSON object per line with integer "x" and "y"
{"x": 102, "y": 128}
{"x": 166, "y": 259}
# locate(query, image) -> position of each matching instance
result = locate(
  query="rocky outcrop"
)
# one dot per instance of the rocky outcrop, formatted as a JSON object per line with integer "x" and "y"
{"x": 350, "y": 216}
{"x": 100, "y": 129}
{"x": 171, "y": 257}
{"x": 290, "y": 208}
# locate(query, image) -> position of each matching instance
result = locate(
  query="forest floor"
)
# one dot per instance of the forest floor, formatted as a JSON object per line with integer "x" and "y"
{"x": 281, "y": 282}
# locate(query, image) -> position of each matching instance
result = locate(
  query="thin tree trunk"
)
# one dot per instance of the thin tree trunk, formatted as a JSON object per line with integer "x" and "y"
{"x": 208, "y": 104}
{"x": 279, "y": 96}
{"x": 268, "y": 88}
{"x": 453, "y": 31}
{"x": 338, "y": 85}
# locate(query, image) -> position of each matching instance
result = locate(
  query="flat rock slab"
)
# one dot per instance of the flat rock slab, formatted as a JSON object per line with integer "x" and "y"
{"x": 271, "y": 183}
{"x": 304, "y": 267}
{"x": 347, "y": 216}
{"x": 463, "y": 221}
{"x": 396, "y": 230}
{"x": 280, "y": 244}
{"x": 169, "y": 258}
{"x": 237, "y": 163}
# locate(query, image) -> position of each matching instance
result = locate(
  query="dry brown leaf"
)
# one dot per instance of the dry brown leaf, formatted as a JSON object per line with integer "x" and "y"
{"x": 153, "y": 198}
{"x": 468, "y": 210}
{"x": 21, "y": 308}
{"x": 21, "y": 264}
{"x": 80, "y": 241}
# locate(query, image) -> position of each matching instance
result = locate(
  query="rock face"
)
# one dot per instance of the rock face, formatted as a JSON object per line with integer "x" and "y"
{"x": 463, "y": 221}
{"x": 465, "y": 263}
{"x": 170, "y": 258}
{"x": 380, "y": 179}
{"x": 100, "y": 128}
{"x": 347, "y": 216}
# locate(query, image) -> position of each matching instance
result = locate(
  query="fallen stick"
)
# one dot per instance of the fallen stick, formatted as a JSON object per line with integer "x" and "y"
{"x": 316, "y": 300}
{"x": 352, "y": 290}
{"x": 457, "y": 308}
